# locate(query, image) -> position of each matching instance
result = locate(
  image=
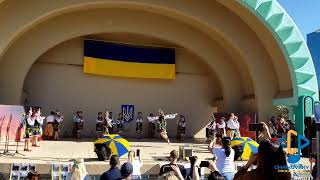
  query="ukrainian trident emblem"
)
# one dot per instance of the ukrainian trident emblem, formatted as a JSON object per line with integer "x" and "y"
{"x": 127, "y": 112}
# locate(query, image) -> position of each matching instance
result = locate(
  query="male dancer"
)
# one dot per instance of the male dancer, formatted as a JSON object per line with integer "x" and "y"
{"x": 162, "y": 123}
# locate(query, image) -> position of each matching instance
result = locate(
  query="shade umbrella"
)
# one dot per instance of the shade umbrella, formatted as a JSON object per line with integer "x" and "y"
{"x": 118, "y": 145}
{"x": 249, "y": 146}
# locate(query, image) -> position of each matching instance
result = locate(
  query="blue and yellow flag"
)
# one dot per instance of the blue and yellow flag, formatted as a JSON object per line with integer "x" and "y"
{"x": 128, "y": 61}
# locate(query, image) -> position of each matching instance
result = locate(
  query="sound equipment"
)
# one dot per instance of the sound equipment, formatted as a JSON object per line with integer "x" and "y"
{"x": 185, "y": 151}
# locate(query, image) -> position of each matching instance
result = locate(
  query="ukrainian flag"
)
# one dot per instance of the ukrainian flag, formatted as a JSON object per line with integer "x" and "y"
{"x": 128, "y": 61}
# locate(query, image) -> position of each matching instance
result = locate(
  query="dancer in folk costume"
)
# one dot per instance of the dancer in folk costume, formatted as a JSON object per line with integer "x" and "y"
{"x": 99, "y": 125}
{"x": 211, "y": 129}
{"x": 139, "y": 124}
{"x": 162, "y": 123}
{"x": 119, "y": 123}
{"x": 58, "y": 118}
{"x": 37, "y": 131}
{"x": 49, "y": 130}
{"x": 182, "y": 128}
{"x": 152, "y": 126}
{"x": 107, "y": 125}
{"x": 28, "y": 122}
{"x": 221, "y": 127}
{"x": 233, "y": 126}
{"x": 78, "y": 120}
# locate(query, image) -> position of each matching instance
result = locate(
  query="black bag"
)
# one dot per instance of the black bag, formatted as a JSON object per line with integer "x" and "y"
{"x": 238, "y": 150}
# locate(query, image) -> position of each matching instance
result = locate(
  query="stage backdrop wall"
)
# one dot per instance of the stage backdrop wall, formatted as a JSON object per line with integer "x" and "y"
{"x": 57, "y": 81}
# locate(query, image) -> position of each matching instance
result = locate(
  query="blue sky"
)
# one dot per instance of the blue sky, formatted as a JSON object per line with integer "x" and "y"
{"x": 305, "y": 13}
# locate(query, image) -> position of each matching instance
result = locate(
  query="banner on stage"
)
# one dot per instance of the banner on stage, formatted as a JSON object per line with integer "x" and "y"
{"x": 11, "y": 126}
{"x": 127, "y": 112}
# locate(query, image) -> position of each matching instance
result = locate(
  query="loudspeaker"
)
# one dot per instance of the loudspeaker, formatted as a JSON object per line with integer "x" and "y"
{"x": 185, "y": 152}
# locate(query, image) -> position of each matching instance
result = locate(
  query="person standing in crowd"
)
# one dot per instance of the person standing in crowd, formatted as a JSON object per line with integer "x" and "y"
{"x": 78, "y": 171}
{"x": 225, "y": 157}
{"x": 119, "y": 123}
{"x": 313, "y": 165}
{"x": 264, "y": 133}
{"x": 126, "y": 171}
{"x": 50, "y": 124}
{"x": 182, "y": 128}
{"x": 221, "y": 126}
{"x": 58, "y": 118}
{"x": 78, "y": 124}
{"x": 162, "y": 124}
{"x": 281, "y": 126}
{"x": 136, "y": 163}
{"x": 214, "y": 175}
{"x": 211, "y": 129}
{"x": 273, "y": 125}
{"x": 99, "y": 125}
{"x": 173, "y": 163}
{"x": 28, "y": 129}
{"x": 267, "y": 159}
{"x": 139, "y": 124}
{"x": 233, "y": 126}
{"x": 152, "y": 126}
{"x": 114, "y": 172}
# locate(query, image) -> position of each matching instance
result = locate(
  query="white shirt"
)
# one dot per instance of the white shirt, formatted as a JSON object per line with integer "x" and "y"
{"x": 222, "y": 125}
{"x": 139, "y": 120}
{"x": 233, "y": 124}
{"x": 224, "y": 164}
{"x": 136, "y": 167}
{"x": 50, "y": 119}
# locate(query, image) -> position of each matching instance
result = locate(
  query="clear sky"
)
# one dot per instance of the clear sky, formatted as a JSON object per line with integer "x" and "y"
{"x": 305, "y": 13}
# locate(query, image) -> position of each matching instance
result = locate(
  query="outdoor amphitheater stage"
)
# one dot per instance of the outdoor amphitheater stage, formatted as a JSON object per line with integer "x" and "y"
{"x": 154, "y": 152}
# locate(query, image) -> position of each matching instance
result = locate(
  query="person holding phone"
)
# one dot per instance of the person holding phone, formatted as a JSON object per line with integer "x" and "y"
{"x": 137, "y": 163}
{"x": 225, "y": 157}
{"x": 177, "y": 169}
{"x": 214, "y": 175}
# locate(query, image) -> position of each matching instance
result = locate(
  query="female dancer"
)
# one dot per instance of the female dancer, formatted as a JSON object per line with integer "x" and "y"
{"x": 28, "y": 130}
{"x": 38, "y": 121}
{"x": 139, "y": 123}
{"x": 107, "y": 125}
{"x": 182, "y": 128}
{"x": 162, "y": 123}
{"x": 119, "y": 123}
{"x": 99, "y": 125}
{"x": 211, "y": 128}
{"x": 58, "y": 118}
{"x": 78, "y": 123}
{"x": 221, "y": 126}
{"x": 50, "y": 124}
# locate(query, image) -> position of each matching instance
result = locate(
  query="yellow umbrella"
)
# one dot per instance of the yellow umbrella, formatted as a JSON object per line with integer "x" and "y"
{"x": 118, "y": 145}
{"x": 249, "y": 146}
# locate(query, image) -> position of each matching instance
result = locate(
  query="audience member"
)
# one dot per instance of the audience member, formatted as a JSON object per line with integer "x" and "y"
{"x": 136, "y": 163}
{"x": 126, "y": 171}
{"x": 313, "y": 168}
{"x": 114, "y": 172}
{"x": 225, "y": 157}
{"x": 78, "y": 171}
{"x": 32, "y": 175}
{"x": 214, "y": 175}
{"x": 173, "y": 163}
{"x": 267, "y": 159}
{"x": 263, "y": 132}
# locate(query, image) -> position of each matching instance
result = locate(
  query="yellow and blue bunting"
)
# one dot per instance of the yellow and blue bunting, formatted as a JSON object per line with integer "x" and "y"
{"x": 128, "y": 61}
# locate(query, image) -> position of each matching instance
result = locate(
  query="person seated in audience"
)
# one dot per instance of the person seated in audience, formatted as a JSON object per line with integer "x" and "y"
{"x": 114, "y": 172}
{"x": 214, "y": 175}
{"x": 126, "y": 171}
{"x": 78, "y": 171}
{"x": 267, "y": 158}
{"x": 225, "y": 157}
{"x": 173, "y": 164}
{"x": 33, "y": 175}
{"x": 137, "y": 164}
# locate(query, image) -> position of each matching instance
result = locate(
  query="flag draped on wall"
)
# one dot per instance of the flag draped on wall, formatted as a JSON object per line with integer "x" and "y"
{"x": 128, "y": 61}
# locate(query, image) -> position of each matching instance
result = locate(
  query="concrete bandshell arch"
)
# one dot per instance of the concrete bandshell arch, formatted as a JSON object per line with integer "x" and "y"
{"x": 235, "y": 45}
